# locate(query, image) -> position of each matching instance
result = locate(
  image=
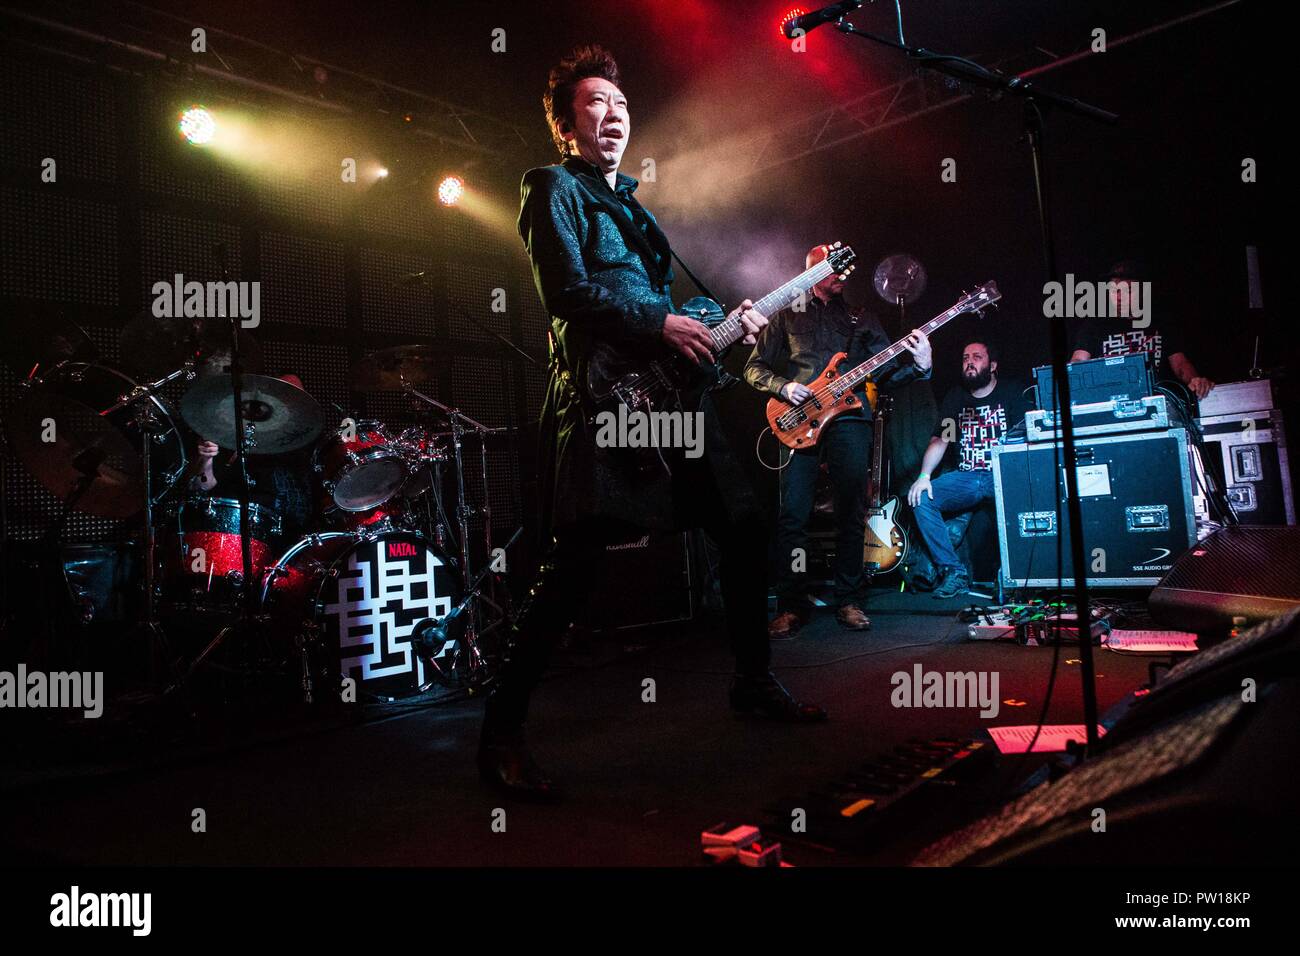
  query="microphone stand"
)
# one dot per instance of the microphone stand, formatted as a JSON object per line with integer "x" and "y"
{"x": 1036, "y": 99}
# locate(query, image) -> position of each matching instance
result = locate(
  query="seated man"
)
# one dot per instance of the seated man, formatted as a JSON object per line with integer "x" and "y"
{"x": 973, "y": 417}
{"x": 1121, "y": 335}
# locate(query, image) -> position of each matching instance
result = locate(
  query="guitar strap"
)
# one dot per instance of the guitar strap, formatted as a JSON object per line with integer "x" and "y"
{"x": 696, "y": 279}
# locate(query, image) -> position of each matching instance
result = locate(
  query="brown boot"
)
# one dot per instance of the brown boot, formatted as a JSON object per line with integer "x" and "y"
{"x": 851, "y": 617}
{"x": 784, "y": 626}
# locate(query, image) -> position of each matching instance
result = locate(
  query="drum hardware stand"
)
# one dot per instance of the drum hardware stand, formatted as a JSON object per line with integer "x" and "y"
{"x": 431, "y": 635}
{"x": 472, "y": 598}
{"x": 160, "y": 650}
{"x": 248, "y": 618}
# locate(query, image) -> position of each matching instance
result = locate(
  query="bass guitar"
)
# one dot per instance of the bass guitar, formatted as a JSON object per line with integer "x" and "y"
{"x": 800, "y": 426}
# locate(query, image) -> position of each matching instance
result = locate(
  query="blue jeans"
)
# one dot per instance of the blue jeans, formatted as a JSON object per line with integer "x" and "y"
{"x": 954, "y": 492}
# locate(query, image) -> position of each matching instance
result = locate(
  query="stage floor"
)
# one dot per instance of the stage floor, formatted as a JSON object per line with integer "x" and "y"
{"x": 643, "y": 779}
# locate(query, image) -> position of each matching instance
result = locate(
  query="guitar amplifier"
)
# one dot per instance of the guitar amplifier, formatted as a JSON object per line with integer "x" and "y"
{"x": 1117, "y": 378}
{"x": 1136, "y": 498}
{"x": 1101, "y": 418}
{"x": 644, "y": 580}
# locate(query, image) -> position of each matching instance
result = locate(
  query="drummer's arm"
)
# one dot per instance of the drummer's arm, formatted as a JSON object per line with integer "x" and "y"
{"x": 200, "y": 469}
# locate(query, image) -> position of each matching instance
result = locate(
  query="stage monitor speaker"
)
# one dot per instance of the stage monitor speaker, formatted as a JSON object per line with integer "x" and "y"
{"x": 645, "y": 580}
{"x": 1247, "y": 571}
{"x": 1198, "y": 772}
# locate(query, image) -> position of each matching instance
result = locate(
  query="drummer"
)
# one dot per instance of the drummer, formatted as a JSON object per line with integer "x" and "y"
{"x": 279, "y": 482}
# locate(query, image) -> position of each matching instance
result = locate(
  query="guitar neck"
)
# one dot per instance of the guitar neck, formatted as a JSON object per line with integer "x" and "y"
{"x": 731, "y": 331}
{"x": 855, "y": 376}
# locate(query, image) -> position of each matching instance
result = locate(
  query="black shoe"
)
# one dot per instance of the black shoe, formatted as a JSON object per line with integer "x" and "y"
{"x": 955, "y": 581}
{"x": 765, "y": 696}
{"x": 506, "y": 764}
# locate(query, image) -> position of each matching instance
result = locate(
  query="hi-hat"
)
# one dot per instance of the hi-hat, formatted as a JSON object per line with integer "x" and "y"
{"x": 389, "y": 369}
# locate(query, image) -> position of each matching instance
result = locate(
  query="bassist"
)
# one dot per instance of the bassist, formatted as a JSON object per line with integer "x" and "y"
{"x": 792, "y": 351}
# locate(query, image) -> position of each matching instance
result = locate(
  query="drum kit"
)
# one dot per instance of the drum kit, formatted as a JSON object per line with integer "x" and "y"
{"x": 378, "y": 597}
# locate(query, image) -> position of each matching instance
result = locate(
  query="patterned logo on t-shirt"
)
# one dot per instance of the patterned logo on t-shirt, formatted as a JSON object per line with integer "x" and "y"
{"x": 1131, "y": 343}
{"x": 981, "y": 427}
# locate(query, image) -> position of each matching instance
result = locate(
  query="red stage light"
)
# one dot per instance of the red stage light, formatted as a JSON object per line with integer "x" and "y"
{"x": 796, "y": 12}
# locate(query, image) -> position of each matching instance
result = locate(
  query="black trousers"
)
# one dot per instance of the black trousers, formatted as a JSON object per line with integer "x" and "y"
{"x": 563, "y": 583}
{"x": 846, "y": 448}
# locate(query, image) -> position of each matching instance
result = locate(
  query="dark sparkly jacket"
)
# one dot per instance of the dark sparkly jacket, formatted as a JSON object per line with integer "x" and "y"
{"x": 603, "y": 269}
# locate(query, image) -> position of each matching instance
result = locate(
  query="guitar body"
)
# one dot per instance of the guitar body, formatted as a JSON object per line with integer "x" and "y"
{"x": 804, "y": 429}
{"x": 886, "y": 542}
{"x": 667, "y": 382}
{"x": 801, "y": 426}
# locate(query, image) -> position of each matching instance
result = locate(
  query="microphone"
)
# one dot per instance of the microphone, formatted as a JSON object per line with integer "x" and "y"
{"x": 829, "y": 14}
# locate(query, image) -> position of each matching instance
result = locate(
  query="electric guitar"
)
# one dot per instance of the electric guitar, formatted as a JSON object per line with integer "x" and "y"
{"x": 885, "y": 545}
{"x": 800, "y": 426}
{"x": 673, "y": 382}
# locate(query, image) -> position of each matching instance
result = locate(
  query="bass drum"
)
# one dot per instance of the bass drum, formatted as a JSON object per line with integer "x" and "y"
{"x": 366, "y": 601}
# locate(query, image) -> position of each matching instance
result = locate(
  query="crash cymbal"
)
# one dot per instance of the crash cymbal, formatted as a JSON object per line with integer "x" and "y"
{"x": 386, "y": 369}
{"x": 39, "y": 336}
{"x": 84, "y": 444}
{"x": 279, "y": 417}
{"x": 154, "y": 346}
{"x": 900, "y": 275}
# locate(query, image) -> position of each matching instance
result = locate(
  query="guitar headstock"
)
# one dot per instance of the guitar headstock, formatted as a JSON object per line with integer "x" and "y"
{"x": 841, "y": 259}
{"x": 979, "y": 300}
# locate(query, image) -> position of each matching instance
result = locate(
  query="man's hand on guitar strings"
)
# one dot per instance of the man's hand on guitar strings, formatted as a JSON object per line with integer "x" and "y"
{"x": 688, "y": 337}
{"x": 919, "y": 346}
{"x": 753, "y": 322}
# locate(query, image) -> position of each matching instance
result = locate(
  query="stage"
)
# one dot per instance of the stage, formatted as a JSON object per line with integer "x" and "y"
{"x": 643, "y": 779}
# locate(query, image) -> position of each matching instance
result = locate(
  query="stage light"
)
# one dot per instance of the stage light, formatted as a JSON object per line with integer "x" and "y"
{"x": 197, "y": 126}
{"x": 780, "y": 27}
{"x": 381, "y": 172}
{"x": 450, "y": 190}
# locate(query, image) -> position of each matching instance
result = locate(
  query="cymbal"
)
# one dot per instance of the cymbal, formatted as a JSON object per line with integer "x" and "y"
{"x": 85, "y": 444}
{"x": 386, "y": 369}
{"x": 40, "y": 335}
{"x": 279, "y": 417}
{"x": 154, "y": 346}
{"x": 900, "y": 275}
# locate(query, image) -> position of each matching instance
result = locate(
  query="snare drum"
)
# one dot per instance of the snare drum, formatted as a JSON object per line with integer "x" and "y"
{"x": 202, "y": 562}
{"x": 361, "y": 467}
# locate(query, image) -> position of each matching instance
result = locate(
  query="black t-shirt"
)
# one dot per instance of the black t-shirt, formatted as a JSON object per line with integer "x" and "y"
{"x": 281, "y": 482}
{"x": 1102, "y": 338}
{"x": 980, "y": 423}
